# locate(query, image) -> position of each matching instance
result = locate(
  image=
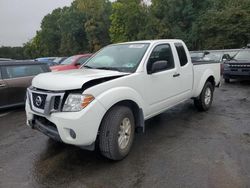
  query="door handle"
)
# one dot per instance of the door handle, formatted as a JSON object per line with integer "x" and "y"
{"x": 176, "y": 75}
{"x": 2, "y": 85}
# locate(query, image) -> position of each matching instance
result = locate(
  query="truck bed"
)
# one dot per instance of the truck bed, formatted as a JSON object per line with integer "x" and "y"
{"x": 202, "y": 69}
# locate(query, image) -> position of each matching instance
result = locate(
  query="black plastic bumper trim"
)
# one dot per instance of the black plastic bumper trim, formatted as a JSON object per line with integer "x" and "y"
{"x": 50, "y": 132}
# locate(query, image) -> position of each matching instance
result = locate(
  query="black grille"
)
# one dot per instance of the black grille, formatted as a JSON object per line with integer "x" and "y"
{"x": 39, "y": 100}
{"x": 246, "y": 70}
{"x": 57, "y": 102}
{"x": 46, "y": 122}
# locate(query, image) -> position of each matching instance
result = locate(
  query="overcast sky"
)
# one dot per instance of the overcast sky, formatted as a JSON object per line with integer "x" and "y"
{"x": 20, "y": 19}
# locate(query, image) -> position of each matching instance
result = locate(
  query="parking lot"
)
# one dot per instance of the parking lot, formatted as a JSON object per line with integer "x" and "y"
{"x": 180, "y": 148}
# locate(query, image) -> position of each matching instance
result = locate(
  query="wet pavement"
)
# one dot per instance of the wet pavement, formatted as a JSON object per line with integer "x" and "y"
{"x": 180, "y": 148}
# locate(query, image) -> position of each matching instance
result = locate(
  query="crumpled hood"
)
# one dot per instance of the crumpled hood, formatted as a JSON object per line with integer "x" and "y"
{"x": 72, "y": 79}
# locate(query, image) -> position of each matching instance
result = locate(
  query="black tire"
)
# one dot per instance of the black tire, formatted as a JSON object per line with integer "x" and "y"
{"x": 199, "y": 102}
{"x": 109, "y": 133}
{"x": 227, "y": 80}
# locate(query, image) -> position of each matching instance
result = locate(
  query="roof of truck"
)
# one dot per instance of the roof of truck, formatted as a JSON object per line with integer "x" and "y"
{"x": 152, "y": 41}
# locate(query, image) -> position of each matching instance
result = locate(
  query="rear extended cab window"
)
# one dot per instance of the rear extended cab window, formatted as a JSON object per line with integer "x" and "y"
{"x": 18, "y": 71}
{"x": 181, "y": 54}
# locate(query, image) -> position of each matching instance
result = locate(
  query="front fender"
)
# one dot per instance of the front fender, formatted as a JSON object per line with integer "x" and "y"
{"x": 115, "y": 95}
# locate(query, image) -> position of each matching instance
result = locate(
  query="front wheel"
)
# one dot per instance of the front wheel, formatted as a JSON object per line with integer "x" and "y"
{"x": 205, "y": 99}
{"x": 117, "y": 133}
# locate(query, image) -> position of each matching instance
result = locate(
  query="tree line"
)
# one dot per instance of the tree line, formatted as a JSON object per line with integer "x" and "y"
{"x": 88, "y": 25}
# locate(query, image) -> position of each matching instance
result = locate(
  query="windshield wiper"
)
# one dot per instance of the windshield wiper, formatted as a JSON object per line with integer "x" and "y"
{"x": 108, "y": 68}
{"x": 103, "y": 68}
{"x": 89, "y": 67}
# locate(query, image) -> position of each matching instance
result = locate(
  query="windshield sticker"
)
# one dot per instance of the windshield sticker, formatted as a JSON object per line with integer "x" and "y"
{"x": 136, "y": 46}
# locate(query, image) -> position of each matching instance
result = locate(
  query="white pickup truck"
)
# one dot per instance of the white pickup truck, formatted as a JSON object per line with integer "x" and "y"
{"x": 106, "y": 101}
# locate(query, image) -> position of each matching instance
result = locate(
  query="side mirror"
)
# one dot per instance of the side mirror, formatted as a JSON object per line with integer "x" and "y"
{"x": 158, "y": 66}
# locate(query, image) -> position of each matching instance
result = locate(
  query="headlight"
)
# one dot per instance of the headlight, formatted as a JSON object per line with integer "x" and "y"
{"x": 76, "y": 102}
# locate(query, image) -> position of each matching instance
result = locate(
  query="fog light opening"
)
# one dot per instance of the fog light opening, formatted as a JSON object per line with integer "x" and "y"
{"x": 72, "y": 134}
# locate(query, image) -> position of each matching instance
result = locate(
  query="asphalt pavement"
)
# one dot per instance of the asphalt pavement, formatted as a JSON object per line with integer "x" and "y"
{"x": 180, "y": 148}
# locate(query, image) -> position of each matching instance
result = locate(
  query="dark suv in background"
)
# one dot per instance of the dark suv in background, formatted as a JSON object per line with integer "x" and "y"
{"x": 238, "y": 67}
{"x": 15, "y": 77}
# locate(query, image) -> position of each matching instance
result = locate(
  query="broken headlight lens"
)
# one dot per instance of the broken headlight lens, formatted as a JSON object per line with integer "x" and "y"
{"x": 77, "y": 102}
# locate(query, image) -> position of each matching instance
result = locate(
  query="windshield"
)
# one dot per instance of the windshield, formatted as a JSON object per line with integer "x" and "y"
{"x": 68, "y": 61}
{"x": 120, "y": 57}
{"x": 213, "y": 56}
{"x": 197, "y": 54}
{"x": 243, "y": 55}
{"x": 45, "y": 59}
{"x": 58, "y": 60}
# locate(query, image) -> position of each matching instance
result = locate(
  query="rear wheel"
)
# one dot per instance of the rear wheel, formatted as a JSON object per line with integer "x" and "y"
{"x": 205, "y": 99}
{"x": 117, "y": 133}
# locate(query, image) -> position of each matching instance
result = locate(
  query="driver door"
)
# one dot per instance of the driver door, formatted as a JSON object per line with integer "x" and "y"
{"x": 162, "y": 87}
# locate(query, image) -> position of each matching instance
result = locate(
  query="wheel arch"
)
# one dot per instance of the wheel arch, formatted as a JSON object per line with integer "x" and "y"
{"x": 208, "y": 76}
{"x": 211, "y": 79}
{"x": 136, "y": 110}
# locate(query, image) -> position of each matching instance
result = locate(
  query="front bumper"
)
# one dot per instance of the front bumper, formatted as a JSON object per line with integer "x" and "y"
{"x": 237, "y": 73}
{"x": 46, "y": 127}
{"x": 59, "y": 125}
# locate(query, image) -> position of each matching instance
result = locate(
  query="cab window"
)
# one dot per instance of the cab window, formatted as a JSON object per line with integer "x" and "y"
{"x": 181, "y": 54}
{"x": 162, "y": 52}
